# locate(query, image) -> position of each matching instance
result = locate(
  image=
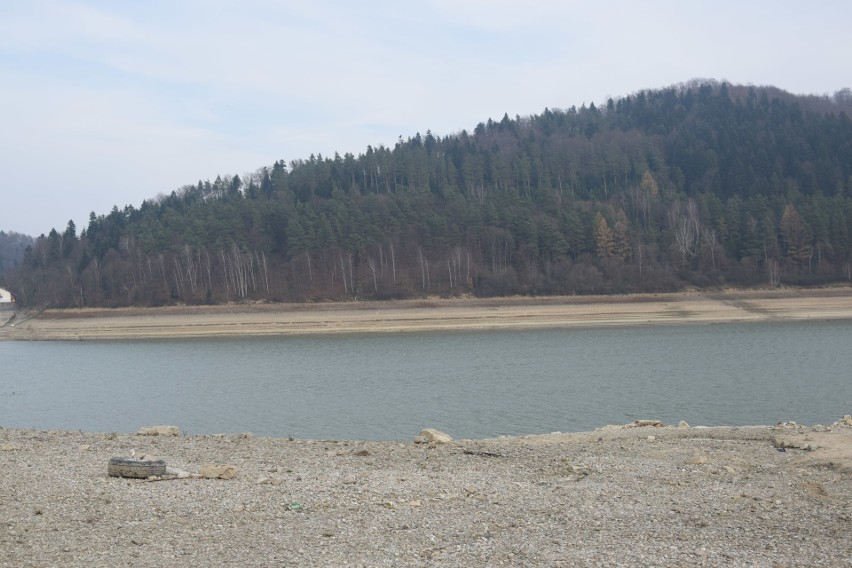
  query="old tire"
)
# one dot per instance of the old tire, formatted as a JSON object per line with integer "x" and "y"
{"x": 135, "y": 468}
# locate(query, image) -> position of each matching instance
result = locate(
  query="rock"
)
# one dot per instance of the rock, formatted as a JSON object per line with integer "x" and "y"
{"x": 698, "y": 459}
{"x": 845, "y": 421}
{"x": 652, "y": 438}
{"x": 364, "y": 452}
{"x": 644, "y": 423}
{"x": 218, "y": 471}
{"x": 435, "y": 436}
{"x": 177, "y": 472}
{"x": 420, "y": 440}
{"x": 9, "y": 448}
{"x": 683, "y": 424}
{"x": 158, "y": 431}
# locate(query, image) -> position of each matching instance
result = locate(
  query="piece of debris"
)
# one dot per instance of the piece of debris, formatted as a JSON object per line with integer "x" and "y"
{"x": 218, "y": 471}
{"x": 434, "y": 436}
{"x": 158, "y": 431}
{"x": 483, "y": 454}
{"x": 644, "y": 423}
{"x": 135, "y": 468}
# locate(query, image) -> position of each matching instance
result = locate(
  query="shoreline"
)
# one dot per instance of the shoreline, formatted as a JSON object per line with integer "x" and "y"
{"x": 246, "y": 320}
{"x": 717, "y": 496}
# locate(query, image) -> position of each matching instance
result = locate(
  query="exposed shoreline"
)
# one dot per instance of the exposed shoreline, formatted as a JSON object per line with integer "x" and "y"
{"x": 236, "y": 320}
{"x": 613, "y": 497}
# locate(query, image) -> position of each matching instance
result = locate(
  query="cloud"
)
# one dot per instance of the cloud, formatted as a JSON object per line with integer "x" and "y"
{"x": 111, "y": 103}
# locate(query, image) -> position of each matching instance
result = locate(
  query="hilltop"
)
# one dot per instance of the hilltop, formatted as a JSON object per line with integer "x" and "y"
{"x": 699, "y": 185}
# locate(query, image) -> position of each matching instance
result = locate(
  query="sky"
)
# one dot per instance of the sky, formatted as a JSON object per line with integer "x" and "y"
{"x": 107, "y": 103}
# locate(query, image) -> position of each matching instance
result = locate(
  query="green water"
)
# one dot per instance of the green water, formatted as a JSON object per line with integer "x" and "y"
{"x": 469, "y": 384}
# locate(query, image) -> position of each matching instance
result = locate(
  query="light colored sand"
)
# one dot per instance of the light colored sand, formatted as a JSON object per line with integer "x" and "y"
{"x": 431, "y": 315}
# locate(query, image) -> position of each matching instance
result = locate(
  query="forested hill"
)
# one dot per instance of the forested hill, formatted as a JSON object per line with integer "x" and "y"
{"x": 12, "y": 248}
{"x": 703, "y": 184}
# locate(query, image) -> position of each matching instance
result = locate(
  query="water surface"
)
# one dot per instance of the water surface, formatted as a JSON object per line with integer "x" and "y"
{"x": 469, "y": 384}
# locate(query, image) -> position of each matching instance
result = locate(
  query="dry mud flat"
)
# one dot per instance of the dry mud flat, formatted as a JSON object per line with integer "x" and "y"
{"x": 431, "y": 315}
{"x": 640, "y": 496}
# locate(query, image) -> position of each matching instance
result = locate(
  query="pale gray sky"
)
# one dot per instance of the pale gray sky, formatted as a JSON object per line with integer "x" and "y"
{"x": 108, "y": 103}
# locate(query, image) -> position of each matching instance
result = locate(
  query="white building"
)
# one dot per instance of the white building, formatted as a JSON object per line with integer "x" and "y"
{"x": 6, "y": 297}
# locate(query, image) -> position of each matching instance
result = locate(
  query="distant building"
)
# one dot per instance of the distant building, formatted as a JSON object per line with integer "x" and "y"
{"x": 6, "y": 297}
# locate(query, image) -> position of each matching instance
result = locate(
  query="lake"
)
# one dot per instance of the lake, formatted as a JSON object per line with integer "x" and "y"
{"x": 468, "y": 384}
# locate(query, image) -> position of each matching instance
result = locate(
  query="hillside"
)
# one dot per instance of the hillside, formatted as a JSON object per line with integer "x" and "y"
{"x": 702, "y": 184}
{"x": 12, "y": 248}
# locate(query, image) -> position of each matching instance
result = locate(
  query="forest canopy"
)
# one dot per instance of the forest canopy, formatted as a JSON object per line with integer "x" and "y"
{"x": 703, "y": 184}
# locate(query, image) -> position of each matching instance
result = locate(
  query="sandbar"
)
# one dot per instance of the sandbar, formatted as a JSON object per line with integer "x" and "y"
{"x": 433, "y": 314}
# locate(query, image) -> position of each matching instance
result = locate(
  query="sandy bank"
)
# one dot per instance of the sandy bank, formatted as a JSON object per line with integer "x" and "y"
{"x": 630, "y": 497}
{"x": 431, "y": 315}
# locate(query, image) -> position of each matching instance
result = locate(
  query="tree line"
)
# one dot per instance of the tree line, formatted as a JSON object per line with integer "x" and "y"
{"x": 702, "y": 184}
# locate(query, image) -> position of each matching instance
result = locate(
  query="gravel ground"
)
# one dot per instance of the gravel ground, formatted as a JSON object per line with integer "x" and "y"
{"x": 616, "y": 497}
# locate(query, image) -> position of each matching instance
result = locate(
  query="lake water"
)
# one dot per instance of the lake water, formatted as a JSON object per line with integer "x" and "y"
{"x": 469, "y": 384}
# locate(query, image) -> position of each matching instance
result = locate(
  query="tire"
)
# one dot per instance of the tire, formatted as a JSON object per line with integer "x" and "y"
{"x": 135, "y": 468}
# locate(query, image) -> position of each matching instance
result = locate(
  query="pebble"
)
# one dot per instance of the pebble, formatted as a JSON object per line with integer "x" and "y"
{"x": 531, "y": 501}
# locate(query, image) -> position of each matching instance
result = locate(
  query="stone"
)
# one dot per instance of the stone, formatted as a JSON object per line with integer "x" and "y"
{"x": 652, "y": 438}
{"x": 158, "y": 431}
{"x": 177, "y": 472}
{"x": 364, "y": 452}
{"x": 218, "y": 471}
{"x": 845, "y": 421}
{"x": 698, "y": 459}
{"x": 683, "y": 424}
{"x": 435, "y": 436}
{"x": 8, "y": 448}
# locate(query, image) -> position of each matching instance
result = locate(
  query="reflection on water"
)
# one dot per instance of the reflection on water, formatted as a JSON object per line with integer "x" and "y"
{"x": 470, "y": 384}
